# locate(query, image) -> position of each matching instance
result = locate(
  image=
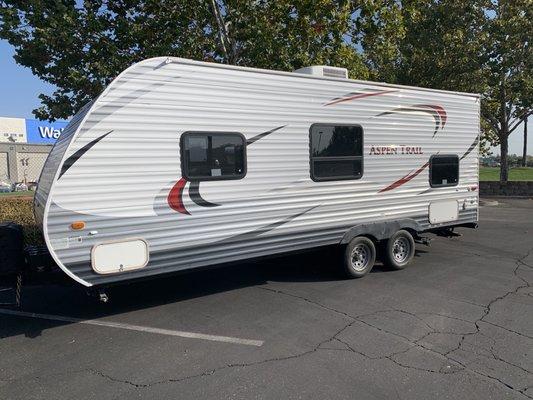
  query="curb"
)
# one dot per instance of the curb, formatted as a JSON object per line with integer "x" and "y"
{"x": 488, "y": 203}
{"x": 495, "y": 196}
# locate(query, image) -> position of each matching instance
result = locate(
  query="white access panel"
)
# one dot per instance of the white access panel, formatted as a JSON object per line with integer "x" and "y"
{"x": 443, "y": 211}
{"x": 119, "y": 256}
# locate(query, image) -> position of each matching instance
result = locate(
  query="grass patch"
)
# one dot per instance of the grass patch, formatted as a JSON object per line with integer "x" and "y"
{"x": 19, "y": 209}
{"x": 515, "y": 174}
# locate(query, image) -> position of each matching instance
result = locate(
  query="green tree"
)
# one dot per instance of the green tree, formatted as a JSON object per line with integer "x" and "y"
{"x": 442, "y": 46}
{"x": 508, "y": 100}
{"x": 286, "y": 34}
{"x": 379, "y": 31}
{"x": 477, "y": 46}
{"x": 81, "y": 47}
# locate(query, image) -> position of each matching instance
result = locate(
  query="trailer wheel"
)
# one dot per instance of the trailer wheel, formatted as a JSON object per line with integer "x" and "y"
{"x": 399, "y": 250}
{"x": 359, "y": 257}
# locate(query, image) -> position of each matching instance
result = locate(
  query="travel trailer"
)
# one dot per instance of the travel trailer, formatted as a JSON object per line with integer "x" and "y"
{"x": 181, "y": 164}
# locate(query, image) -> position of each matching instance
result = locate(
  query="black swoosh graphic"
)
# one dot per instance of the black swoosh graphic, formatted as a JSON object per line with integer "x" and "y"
{"x": 69, "y": 162}
{"x": 472, "y": 147}
{"x": 262, "y": 135}
{"x": 194, "y": 194}
{"x": 426, "y": 191}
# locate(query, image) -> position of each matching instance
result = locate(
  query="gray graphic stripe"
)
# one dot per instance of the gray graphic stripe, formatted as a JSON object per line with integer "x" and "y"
{"x": 262, "y": 135}
{"x": 158, "y": 258}
{"x": 264, "y": 229}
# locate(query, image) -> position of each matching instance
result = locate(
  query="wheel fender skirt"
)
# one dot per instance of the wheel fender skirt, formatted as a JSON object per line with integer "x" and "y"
{"x": 381, "y": 230}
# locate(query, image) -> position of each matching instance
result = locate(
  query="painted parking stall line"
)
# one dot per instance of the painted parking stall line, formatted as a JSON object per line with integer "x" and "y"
{"x": 138, "y": 328}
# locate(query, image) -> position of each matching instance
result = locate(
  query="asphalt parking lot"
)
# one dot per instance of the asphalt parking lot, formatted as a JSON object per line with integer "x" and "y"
{"x": 457, "y": 324}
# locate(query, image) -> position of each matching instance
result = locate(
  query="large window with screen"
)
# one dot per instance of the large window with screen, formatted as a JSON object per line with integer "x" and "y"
{"x": 443, "y": 170}
{"x": 213, "y": 155}
{"x": 336, "y": 152}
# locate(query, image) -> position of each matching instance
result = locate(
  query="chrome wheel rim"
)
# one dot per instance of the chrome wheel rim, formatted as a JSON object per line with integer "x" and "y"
{"x": 401, "y": 249}
{"x": 360, "y": 257}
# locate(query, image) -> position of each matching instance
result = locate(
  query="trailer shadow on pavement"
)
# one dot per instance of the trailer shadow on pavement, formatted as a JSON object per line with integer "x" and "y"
{"x": 62, "y": 297}
{"x": 455, "y": 324}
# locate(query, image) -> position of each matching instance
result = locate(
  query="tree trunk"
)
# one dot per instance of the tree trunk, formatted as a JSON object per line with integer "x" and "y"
{"x": 504, "y": 133}
{"x": 504, "y": 166}
{"x": 524, "y": 152}
{"x": 225, "y": 40}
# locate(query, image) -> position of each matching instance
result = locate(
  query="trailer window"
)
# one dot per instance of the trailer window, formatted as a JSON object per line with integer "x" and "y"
{"x": 443, "y": 170}
{"x": 336, "y": 152}
{"x": 213, "y": 155}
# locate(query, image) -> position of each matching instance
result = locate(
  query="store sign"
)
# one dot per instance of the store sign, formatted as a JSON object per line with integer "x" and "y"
{"x": 12, "y": 130}
{"x": 21, "y": 130}
{"x": 44, "y": 132}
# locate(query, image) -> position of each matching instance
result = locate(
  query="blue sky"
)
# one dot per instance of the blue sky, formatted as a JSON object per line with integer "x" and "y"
{"x": 20, "y": 91}
{"x": 20, "y": 87}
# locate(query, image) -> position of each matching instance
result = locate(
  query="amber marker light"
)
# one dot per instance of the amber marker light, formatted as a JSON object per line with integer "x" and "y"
{"x": 77, "y": 225}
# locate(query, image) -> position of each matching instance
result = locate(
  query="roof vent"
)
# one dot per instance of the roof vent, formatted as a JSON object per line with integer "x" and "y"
{"x": 324, "y": 70}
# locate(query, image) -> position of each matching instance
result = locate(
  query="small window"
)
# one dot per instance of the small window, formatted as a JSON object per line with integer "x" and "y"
{"x": 443, "y": 170}
{"x": 336, "y": 152}
{"x": 213, "y": 155}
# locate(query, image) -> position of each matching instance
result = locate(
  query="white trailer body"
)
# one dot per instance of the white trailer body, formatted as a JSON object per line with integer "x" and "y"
{"x": 181, "y": 164}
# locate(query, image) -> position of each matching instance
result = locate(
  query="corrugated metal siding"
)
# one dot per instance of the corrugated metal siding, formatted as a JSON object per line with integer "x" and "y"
{"x": 119, "y": 186}
{"x": 52, "y": 162}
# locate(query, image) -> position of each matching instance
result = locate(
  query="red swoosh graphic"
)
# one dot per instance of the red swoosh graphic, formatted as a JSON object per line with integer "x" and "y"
{"x": 437, "y": 112}
{"x": 175, "y": 200}
{"x": 441, "y": 111}
{"x": 359, "y": 96}
{"x": 405, "y": 179}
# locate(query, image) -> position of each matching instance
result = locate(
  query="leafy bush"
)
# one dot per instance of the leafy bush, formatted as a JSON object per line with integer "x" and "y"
{"x": 20, "y": 210}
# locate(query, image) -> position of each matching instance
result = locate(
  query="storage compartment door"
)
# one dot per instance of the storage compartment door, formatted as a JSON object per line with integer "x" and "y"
{"x": 443, "y": 211}
{"x": 119, "y": 256}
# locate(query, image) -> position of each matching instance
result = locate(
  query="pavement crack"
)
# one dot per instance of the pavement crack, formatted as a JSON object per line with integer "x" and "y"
{"x": 525, "y": 284}
{"x": 268, "y": 360}
{"x": 525, "y": 264}
{"x": 392, "y": 357}
{"x": 413, "y": 343}
{"x": 468, "y": 302}
{"x": 508, "y": 330}
{"x": 461, "y": 366}
{"x": 224, "y": 367}
{"x": 442, "y": 370}
{"x": 487, "y": 309}
{"x": 491, "y": 303}
{"x": 315, "y": 303}
{"x": 448, "y": 316}
{"x": 117, "y": 380}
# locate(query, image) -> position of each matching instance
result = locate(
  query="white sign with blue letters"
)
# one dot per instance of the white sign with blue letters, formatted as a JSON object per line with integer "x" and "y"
{"x": 44, "y": 132}
{"x": 21, "y": 130}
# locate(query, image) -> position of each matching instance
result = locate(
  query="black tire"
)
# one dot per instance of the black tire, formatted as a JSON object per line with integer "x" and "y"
{"x": 399, "y": 250}
{"x": 359, "y": 257}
